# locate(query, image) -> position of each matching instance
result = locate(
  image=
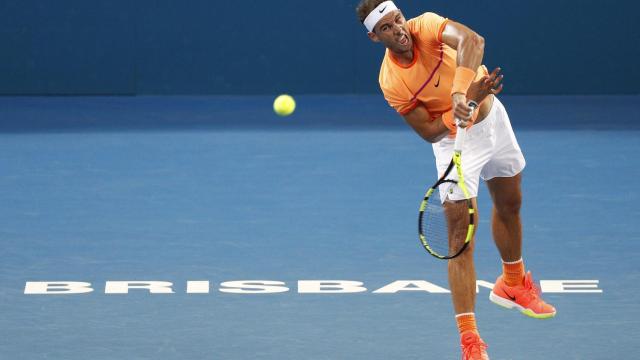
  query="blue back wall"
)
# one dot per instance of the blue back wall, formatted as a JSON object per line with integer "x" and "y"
{"x": 268, "y": 47}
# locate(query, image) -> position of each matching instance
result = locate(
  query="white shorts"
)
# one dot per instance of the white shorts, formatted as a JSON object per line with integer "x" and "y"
{"x": 490, "y": 150}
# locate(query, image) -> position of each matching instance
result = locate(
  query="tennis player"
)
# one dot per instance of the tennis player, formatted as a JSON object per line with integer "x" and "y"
{"x": 431, "y": 69}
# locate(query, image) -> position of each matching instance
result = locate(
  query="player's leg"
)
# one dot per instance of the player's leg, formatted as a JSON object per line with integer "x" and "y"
{"x": 506, "y": 226}
{"x": 462, "y": 279}
{"x": 462, "y": 274}
{"x": 505, "y": 218}
{"x": 514, "y": 288}
{"x": 502, "y": 174}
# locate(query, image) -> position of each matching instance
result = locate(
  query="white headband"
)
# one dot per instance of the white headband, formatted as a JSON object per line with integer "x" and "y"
{"x": 378, "y": 13}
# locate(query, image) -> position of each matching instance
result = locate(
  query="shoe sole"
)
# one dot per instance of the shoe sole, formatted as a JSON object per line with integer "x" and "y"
{"x": 508, "y": 304}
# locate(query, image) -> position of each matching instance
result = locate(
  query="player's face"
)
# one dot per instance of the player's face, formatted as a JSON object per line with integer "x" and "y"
{"x": 392, "y": 31}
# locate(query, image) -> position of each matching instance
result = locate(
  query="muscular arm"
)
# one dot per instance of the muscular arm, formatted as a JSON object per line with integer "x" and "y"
{"x": 419, "y": 120}
{"x": 468, "y": 43}
{"x": 470, "y": 48}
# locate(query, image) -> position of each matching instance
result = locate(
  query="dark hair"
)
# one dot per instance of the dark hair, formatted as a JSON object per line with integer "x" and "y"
{"x": 365, "y": 7}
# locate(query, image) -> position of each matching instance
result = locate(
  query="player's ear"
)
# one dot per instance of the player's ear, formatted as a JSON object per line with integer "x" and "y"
{"x": 373, "y": 36}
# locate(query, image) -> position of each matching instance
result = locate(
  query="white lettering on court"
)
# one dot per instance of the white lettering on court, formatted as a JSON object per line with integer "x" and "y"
{"x": 197, "y": 287}
{"x": 330, "y": 287}
{"x": 484, "y": 284}
{"x": 570, "y": 286}
{"x": 253, "y": 287}
{"x": 411, "y": 285}
{"x": 122, "y": 287}
{"x": 270, "y": 287}
{"x": 56, "y": 287}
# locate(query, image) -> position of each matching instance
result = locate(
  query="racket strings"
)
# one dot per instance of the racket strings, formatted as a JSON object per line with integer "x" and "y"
{"x": 434, "y": 225}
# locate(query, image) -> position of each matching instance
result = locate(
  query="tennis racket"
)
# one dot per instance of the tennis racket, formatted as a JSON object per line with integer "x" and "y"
{"x": 439, "y": 222}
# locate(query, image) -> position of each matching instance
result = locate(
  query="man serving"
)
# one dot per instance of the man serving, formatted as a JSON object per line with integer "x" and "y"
{"x": 431, "y": 69}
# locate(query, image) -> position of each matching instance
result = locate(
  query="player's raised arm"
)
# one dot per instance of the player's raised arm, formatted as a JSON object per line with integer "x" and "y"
{"x": 470, "y": 50}
{"x": 468, "y": 43}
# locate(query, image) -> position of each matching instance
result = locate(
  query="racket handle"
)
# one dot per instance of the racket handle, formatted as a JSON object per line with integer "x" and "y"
{"x": 461, "y": 134}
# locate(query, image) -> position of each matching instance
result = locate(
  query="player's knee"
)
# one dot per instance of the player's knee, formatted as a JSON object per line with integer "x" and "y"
{"x": 465, "y": 258}
{"x": 509, "y": 206}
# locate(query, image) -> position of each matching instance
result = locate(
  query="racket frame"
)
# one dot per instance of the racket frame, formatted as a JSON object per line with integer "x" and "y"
{"x": 456, "y": 161}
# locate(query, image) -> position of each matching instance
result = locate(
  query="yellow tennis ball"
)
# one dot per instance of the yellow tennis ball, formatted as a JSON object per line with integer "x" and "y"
{"x": 284, "y": 105}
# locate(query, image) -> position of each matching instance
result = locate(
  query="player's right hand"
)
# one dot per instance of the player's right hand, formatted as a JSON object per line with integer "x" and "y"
{"x": 461, "y": 110}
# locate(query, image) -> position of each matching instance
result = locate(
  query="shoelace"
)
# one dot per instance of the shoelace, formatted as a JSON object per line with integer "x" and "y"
{"x": 532, "y": 290}
{"x": 476, "y": 347}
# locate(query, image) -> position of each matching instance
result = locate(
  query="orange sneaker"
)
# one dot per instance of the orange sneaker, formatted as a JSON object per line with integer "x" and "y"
{"x": 473, "y": 348}
{"x": 525, "y": 298}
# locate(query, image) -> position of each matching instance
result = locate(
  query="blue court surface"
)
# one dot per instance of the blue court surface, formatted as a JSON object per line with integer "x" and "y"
{"x": 219, "y": 189}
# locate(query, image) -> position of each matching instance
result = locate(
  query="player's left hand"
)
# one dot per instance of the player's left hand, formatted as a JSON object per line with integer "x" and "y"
{"x": 487, "y": 85}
